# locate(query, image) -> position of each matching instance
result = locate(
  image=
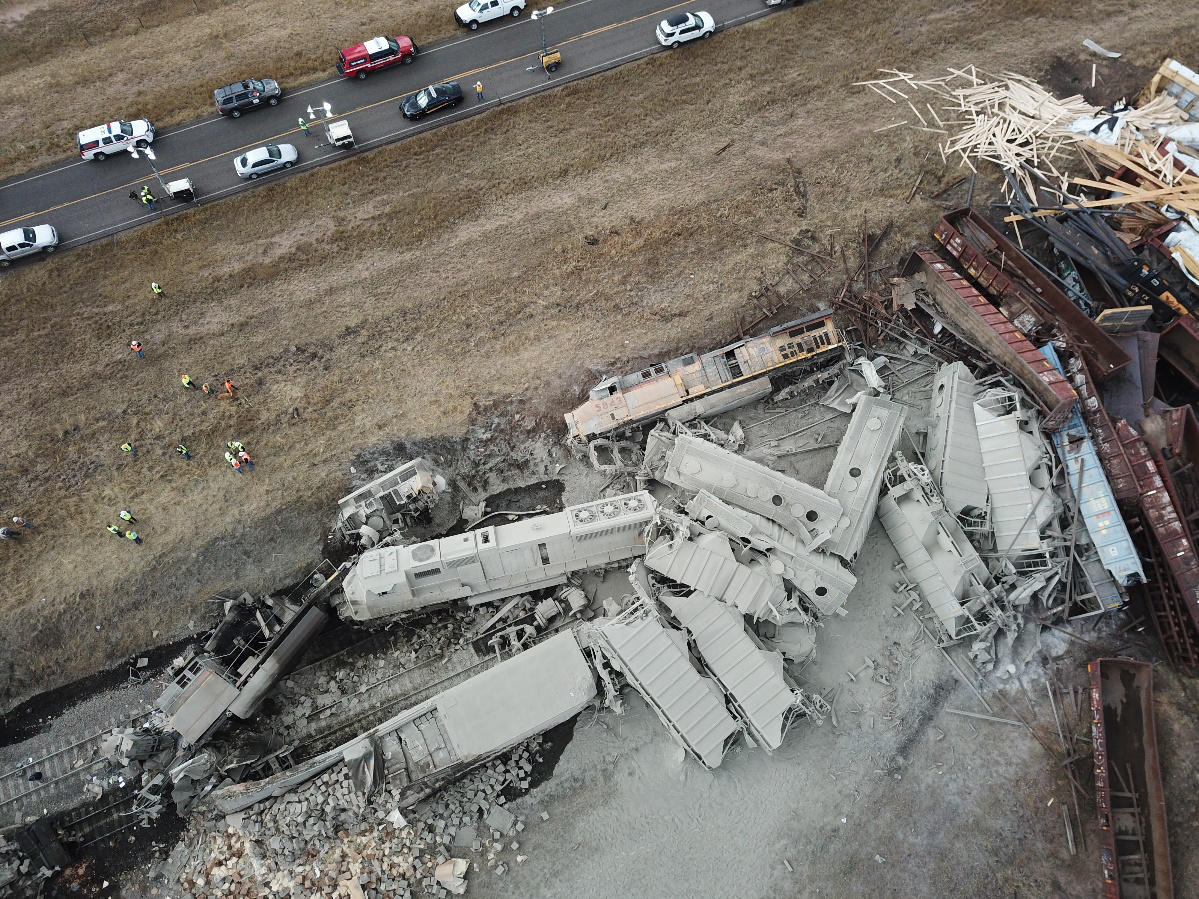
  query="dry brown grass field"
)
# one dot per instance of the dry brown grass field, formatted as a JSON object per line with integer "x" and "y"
{"x": 605, "y": 231}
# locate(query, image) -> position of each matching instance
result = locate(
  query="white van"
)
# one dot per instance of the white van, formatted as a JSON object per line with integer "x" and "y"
{"x": 115, "y": 137}
{"x": 24, "y": 241}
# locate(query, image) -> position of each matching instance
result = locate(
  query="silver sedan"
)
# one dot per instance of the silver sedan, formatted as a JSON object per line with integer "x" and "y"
{"x": 261, "y": 160}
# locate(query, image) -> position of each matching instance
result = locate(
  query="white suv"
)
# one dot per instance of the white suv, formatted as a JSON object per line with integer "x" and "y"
{"x": 115, "y": 137}
{"x": 475, "y": 12}
{"x": 685, "y": 26}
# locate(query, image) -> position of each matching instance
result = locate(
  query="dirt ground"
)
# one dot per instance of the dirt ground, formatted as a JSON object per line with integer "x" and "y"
{"x": 609, "y": 229}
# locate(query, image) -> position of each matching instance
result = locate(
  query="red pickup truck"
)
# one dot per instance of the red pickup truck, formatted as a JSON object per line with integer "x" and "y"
{"x": 377, "y": 53}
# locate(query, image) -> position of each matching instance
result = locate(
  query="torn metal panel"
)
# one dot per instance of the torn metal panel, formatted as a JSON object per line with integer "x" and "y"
{"x": 954, "y": 455}
{"x": 970, "y": 311}
{"x": 1173, "y": 435}
{"x": 1129, "y": 791}
{"x": 1096, "y": 502}
{"x": 1103, "y": 433}
{"x": 255, "y": 644}
{"x": 1124, "y": 395}
{"x": 1005, "y": 468}
{"x": 1099, "y": 583}
{"x": 750, "y": 676}
{"x": 931, "y": 544}
{"x": 301, "y": 630}
{"x": 823, "y": 580}
{"x": 496, "y": 562}
{"x": 692, "y": 464}
{"x": 690, "y": 705}
{"x": 857, "y": 472}
{"x": 707, "y": 564}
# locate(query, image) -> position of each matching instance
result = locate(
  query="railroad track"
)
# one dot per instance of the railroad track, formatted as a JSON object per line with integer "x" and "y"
{"x": 87, "y": 826}
{"x": 349, "y": 728}
{"x": 60, "y": 764}
{"x": 346, "y": 729}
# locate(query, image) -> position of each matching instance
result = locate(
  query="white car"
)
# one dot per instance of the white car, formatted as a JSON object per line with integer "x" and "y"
{"x": 25, "y": 241}
{"x": 261, "y": 160}
{"x": 685, "y": 26}
{"x": 474, "y": 13}
{"x": 115, "y": 137}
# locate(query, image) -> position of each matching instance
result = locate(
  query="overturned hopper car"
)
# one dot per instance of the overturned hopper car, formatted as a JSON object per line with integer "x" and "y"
{"x": 700, "y": 385}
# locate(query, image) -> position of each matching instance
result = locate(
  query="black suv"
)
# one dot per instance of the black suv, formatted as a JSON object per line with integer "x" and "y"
{"x": 249, "y": 94}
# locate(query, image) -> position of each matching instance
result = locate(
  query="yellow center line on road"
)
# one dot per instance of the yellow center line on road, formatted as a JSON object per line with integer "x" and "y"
{"x": 268, "y": 140}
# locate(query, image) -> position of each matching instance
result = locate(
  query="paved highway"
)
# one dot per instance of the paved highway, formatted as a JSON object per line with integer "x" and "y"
{"x": 89, "y": 200}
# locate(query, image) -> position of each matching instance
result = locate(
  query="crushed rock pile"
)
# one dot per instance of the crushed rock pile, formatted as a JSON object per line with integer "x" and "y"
{"x": 320, "y": 840}
{"x": 323, "y": 692}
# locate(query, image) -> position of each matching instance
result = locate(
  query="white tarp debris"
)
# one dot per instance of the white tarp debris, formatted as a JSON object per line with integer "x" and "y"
{"x": 1091, "y": 45}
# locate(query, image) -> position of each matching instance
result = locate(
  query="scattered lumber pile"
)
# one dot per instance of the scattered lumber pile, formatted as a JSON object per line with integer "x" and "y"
{"x": 1014, "y": 122}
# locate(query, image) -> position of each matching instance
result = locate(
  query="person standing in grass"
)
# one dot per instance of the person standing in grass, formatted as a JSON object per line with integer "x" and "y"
{"x": 245, "y": 459}
{"x": 20, "y": 522}
{"x": 114, "y": 530}
{"x": 136, "y": 346}
{"x": 128, "y": 448}
{"x": 132, "y": 535}
{"x": 126, "y": 515}
{"x": 188, "y": 382}
{"x": 9, "y": 534}
{"x": 182, "y": 450}
{"x": 155, "y": 289}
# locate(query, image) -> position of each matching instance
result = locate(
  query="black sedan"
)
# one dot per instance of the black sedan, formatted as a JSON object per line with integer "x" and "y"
{"x": 431, "y": 99}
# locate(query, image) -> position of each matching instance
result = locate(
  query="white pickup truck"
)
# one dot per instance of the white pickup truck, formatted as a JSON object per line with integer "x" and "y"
{"x": 25, "y": 241}
{"x": 476, "y": 12}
